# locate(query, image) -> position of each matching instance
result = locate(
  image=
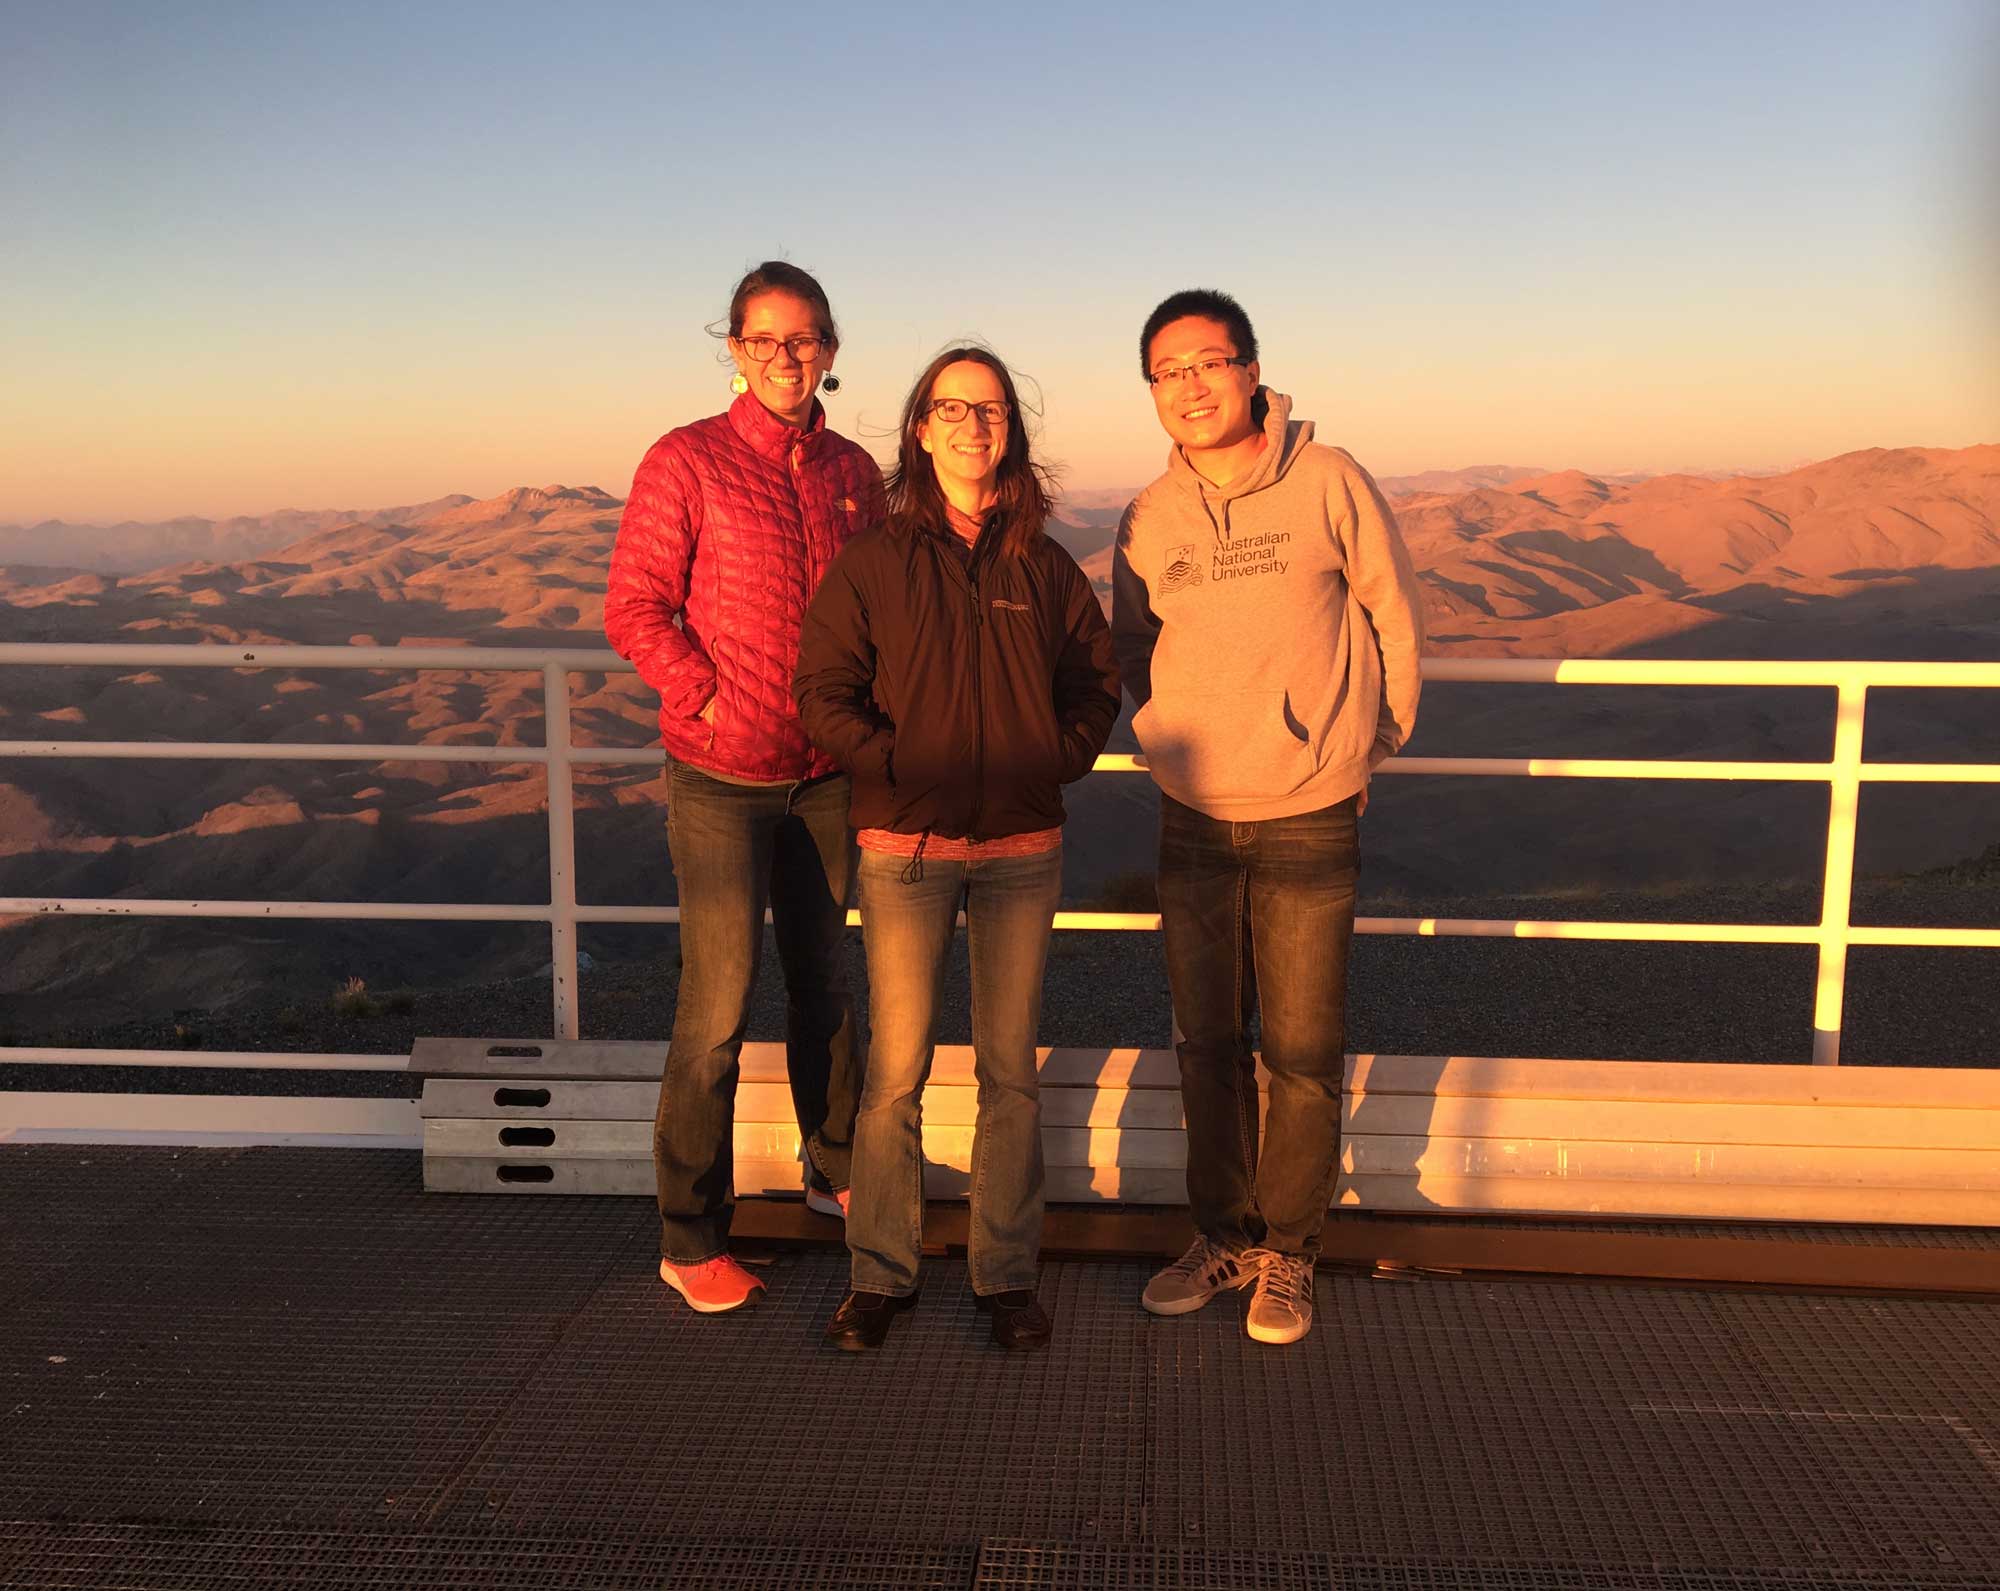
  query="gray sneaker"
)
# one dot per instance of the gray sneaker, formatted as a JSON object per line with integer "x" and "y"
{"x": 1207, "y": 1268}
{"x": 1281, "y": 1309}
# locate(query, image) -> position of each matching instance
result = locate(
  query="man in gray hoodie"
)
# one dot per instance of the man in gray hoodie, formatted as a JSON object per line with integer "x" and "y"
{"x": 1268, "y": 623}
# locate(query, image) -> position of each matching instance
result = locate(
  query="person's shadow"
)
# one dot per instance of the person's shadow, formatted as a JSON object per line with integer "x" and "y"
{"x": 1388, "y": 1105}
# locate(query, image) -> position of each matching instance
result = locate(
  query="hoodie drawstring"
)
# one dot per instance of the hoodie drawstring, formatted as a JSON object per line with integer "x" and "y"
{"x": 913, "y": 870}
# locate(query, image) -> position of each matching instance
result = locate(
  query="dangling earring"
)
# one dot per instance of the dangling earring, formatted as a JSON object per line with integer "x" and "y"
{"x": 739, "y": 383}
{"x": 829, "y": 383}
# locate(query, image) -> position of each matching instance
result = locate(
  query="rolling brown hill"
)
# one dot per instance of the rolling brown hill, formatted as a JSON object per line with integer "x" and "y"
{"x": 1878, "y": 553}
{"x": 134, "y": 545}
{"x": 1570, "y": 565}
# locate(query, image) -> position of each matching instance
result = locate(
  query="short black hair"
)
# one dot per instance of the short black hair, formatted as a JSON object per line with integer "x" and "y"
{"x": 1206, "y": 302}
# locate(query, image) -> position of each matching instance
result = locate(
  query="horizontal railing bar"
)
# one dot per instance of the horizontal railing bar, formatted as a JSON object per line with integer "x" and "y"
{"x": 1696, "y": 933}
{"x": 267, "y": 751}
{"x": 1084, "y": 921}
{"x": 357, "y": 911}
{"x": 222, "y": 1060}
{"x": 1489, "y": 670}
{"x": 1564, "y": 928}
{"x": 1928, "y": 773}
{"x": 478, "y": 659}
{"x": 1464, "y": 767}
{"x": 1445, "y": 927}
{"x": 1607, "y": 768}
{"x": 1615, "y": 768}
{"x": 1689, "y": 671}
{"x": 1092, "y": 922}
{"x": 400, "y": 911}
{"x": 1927, "y": 937}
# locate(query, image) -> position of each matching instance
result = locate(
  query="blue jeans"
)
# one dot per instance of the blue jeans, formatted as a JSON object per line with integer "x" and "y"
{"x": 907, "y": 917}
{"x": 735, "y": 848}
{"x": 1259, "y": 918}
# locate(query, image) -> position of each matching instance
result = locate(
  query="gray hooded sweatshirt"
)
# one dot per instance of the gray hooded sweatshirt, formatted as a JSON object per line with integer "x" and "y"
{"x": 1269, "y": 630}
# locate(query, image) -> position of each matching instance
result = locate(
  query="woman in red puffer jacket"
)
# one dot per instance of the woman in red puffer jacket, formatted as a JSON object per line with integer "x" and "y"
{"x": 731, "y": 523}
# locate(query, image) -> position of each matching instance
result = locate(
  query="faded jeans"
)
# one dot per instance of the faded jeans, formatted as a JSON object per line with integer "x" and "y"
{"x": 735, "y": 848}
{"x": 1259, "y": 917}
{"x": 907, "y": 919}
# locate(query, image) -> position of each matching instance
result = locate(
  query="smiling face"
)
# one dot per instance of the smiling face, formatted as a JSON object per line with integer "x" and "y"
{"x": 784, "y": 385}
{"x": 1202, "y": 413}
{"x": 967, "y": 452}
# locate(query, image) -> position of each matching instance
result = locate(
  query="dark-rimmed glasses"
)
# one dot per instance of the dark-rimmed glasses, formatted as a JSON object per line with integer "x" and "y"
{"x": 951, "y": 410}
{"x": 805, "y": 349}
{"x": 1207, "y": 369}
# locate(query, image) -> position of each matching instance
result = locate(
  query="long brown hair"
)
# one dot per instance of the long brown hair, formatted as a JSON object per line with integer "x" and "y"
{"x": 1025, "y": 488}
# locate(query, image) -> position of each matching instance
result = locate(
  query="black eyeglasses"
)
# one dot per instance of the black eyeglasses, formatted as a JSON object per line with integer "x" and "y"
{"x": 1207, "y": 369}
{"x": 952, "y": 410}
{"x": 804, "y": 349}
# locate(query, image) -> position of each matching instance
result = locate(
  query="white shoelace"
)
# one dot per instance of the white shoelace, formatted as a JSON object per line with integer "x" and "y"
{"x": 1201, "y": 1254}
{"x": 1288, "y": 1280}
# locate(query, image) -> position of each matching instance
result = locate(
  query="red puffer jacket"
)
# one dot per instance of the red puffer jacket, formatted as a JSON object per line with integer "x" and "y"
{"x": 730, "y": 525}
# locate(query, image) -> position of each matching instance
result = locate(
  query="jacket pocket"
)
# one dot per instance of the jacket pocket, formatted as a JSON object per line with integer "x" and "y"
{"x": 686, "y": 737}
{"x": 1226, "y": 746}
{"x": 1042, "y": 764}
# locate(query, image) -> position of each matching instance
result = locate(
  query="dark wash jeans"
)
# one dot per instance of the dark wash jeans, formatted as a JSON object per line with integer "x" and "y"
{"x": 1259, "y": 917}
{"x": 735, "y": 848}
{"x": 908, "y": 917}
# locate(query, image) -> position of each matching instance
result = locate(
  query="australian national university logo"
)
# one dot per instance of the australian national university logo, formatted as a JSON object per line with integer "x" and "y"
{"x": 1181, "y": 570}
{"x": 1230, "y": 560}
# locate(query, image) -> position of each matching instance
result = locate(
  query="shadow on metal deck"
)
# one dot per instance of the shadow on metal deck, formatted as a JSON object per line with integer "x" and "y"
{"x": 290, "y": 1367}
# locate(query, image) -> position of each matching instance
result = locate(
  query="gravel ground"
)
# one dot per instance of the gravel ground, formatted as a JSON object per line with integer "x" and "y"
{"x": 1408, "y": 995}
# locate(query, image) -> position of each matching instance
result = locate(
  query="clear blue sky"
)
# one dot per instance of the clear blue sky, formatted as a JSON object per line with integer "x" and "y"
{"x": 259, "y": 256}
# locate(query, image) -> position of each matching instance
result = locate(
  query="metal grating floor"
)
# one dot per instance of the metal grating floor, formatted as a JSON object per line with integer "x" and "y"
{"x": 291, "y": 1367}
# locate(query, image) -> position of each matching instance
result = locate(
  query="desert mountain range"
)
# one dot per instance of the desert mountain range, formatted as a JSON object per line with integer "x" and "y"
{"x": 1569, "y": 565}
{"x": 132, "y": 545}
{"x": 1890, "y": 552}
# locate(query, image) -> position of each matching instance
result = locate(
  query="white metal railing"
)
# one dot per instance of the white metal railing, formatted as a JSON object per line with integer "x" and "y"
{"x": 1844, "y": 774}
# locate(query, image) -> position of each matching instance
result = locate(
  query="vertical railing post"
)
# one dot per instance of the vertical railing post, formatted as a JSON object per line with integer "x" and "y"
{"x": 1843, "y": 806}
{"x": 562, "y": 849}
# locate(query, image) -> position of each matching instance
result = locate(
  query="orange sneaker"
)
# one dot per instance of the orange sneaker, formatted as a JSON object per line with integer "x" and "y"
{"x": 714, "y": 1287}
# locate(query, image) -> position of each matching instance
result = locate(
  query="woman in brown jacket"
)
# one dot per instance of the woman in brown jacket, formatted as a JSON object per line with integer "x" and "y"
{"x": 957, "y": 662}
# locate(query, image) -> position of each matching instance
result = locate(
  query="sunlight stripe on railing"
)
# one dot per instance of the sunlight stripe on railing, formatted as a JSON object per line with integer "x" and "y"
{"x": 221, "y": 1060}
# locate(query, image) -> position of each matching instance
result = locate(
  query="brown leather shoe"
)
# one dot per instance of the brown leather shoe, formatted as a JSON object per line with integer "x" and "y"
{"x": 1019, "y": 1321}
{"x": 863, "y": 1319}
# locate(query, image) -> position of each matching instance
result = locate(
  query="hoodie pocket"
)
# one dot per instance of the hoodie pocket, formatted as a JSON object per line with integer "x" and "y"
{"x": 1229, "y": 746}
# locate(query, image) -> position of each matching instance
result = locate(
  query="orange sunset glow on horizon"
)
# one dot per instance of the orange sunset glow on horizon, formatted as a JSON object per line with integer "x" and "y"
{"x": 1698, "y": 245}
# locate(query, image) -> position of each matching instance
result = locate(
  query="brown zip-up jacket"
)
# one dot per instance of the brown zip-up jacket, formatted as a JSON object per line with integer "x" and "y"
{"x": 961, "y": 695}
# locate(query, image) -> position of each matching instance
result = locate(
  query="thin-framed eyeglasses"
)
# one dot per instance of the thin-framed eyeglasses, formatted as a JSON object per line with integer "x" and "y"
{"x": 993, "y": 411}
{"x": 805, "y": 349}
{"x": 1207, "y": 369}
